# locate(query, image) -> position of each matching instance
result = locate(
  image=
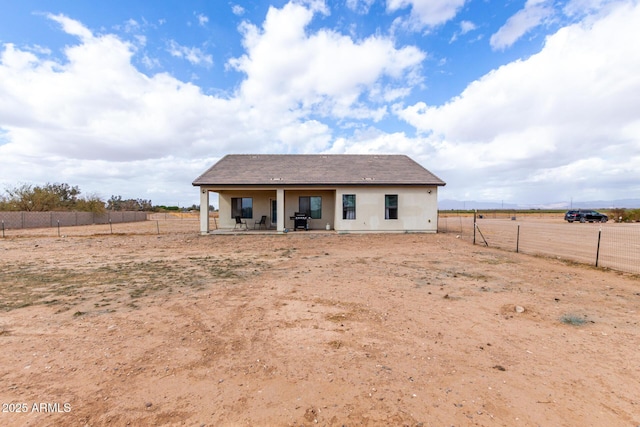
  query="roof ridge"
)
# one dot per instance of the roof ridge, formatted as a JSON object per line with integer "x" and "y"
{"x": 309, "y": 169}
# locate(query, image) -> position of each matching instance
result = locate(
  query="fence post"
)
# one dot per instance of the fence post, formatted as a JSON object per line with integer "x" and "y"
{"x": 518, "y": 240}
{"x": 3, "y": 229}
{"x": 598, "y": 249}
{"x": 58, "y": 228}
{"x": 474, "y": 226}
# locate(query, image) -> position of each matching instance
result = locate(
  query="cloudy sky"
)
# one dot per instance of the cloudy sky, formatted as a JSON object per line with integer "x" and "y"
{"x": 528, "y": 102}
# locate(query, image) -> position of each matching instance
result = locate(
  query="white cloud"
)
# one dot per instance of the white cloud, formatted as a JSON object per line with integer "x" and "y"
{"x": 130, "y": 26}
{"x": 531, "y": 121}
{"x": 374, "y": 141}
{"x": 426, "y": 13}
{"x": 192, "y": 54}
{"x": 93, "y": 117}
{"x": 534, "y": 13}
{"x": 465, "y": 27}
{"x": 150, "y": 63}
{"x": 543, "y": 124}
{"x": 237, "y": 10}
{"x": 585, "y": 7}
{"x": 202, "y": 19}
{"x": 72, "y": 27}
{"x": 323, "y": 72}
{"x": 360, "y": 6}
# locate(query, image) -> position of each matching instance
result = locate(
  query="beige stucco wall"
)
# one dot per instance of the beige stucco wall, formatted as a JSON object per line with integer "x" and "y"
{"x": 291, "y": 202}
{"x": 262, "y": 206}
{"x": 417, "y": 209}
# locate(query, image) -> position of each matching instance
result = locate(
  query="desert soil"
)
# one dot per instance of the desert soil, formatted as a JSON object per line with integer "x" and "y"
{"x": 173, "y": 328}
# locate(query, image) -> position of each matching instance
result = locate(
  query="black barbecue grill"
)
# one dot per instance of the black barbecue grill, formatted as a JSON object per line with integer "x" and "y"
{"x": 300, "y": 220}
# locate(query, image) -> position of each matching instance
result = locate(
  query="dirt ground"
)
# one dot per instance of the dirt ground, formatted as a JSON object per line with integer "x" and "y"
{"x": 612, "y": 245}
{"x": 171, "y": 328}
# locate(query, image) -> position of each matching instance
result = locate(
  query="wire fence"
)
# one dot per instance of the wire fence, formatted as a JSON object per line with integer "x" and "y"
{"x": 22, "y": 219}
{"x": 84, "y": 224}
{"x": 609, "y": 245}
{"x": 173, "y": 216}
{"x": 185, "y": 216}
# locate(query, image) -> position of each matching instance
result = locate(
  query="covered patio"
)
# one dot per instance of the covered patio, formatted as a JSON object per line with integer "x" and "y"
{"x": 250, "y": 205}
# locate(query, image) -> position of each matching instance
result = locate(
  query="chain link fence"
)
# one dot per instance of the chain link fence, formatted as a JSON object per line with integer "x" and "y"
{"x": 610, "y": 245}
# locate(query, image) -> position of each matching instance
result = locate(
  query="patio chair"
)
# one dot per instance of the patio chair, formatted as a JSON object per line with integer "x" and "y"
{"x": 259, "y": 224}
{"x": 240, "y": 223}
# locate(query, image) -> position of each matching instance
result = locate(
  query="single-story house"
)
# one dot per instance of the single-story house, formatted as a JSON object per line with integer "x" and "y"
{"x": 343, "y": 192}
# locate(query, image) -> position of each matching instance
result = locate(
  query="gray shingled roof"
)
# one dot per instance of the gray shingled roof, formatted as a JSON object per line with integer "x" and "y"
{"x": 316, "y": 169}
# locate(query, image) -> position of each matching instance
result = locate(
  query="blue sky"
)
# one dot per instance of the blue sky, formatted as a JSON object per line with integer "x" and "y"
{"x": 529, "y": 102}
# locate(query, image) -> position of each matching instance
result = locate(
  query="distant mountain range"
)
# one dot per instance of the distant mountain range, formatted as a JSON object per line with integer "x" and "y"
{"x": 596, "y": 204}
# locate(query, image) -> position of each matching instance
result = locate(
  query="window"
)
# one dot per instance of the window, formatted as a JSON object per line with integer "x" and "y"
{"x": 311, "y": 206}
{"x": 242, "y": 207}
{"x": 391, "y": 206}
{"x": 348, "y": 206}
{"x": 274, "y": 212}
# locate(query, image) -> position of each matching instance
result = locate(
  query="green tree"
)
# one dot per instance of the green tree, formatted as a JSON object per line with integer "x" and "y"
{"x": 116, "y": 203}
{"x": 91, "y": 203}
{"x": 64, "y": 196}
{"x": 22, "y": 198}
{"x": 49, "y": 197}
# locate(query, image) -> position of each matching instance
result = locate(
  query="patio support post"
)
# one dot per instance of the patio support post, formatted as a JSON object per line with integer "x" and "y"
{"x": 280, "y": 209}
{"x": 204, "y": 211}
